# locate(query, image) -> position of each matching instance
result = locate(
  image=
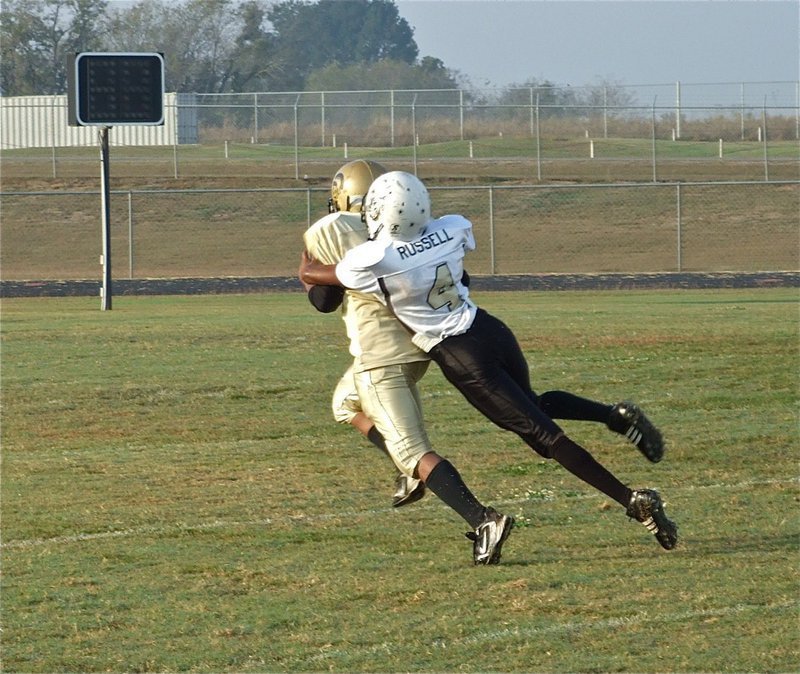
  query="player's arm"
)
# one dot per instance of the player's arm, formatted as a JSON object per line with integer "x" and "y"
{"x": 314, "y": 273}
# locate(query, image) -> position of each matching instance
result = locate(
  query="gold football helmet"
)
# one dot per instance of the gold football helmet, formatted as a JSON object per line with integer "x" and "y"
{"x": 350, "y": 185}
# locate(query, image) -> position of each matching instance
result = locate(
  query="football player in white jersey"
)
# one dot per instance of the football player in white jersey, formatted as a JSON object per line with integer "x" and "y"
{"x": 378, "y": 393}
{"x": 415, "y": 263}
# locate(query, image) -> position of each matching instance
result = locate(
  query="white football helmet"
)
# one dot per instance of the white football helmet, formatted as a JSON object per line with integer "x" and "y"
{"x": 397, "y": 206}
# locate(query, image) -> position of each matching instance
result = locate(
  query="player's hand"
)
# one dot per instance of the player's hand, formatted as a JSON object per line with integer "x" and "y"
{"x": 313, "y": 272}
{"x": 305, "y": 262}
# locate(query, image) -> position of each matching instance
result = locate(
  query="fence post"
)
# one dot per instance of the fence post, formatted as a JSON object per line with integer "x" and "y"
{"x": 680, "y": 228}
{"x": 322, "y": 115}
{"x": 53, "y": 132}
{"x": 461, "y": 111}
{"x": 414, "y": 130}
{"x": 130, "y": 234}
{"x": 491, "y": 232}
{"x": 797, "y": 113}
{"x": 255, "y": 118}
{"x": 764, "y": 124}
{"x": 538, "y": 142}
{"x": 391, "y": 115}
{"x": 296, "y": 141}
{"x": 654, "y": 139}
{"x": 677, "y": 109}
{"x": 532, "y": 110}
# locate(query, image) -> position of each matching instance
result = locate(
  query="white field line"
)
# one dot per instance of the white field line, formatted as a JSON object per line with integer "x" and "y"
{"x": 518, "y": 633}
{"x": 178, "y": 527}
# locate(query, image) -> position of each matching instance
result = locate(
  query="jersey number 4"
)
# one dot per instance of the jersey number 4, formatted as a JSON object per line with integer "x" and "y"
{"x": 443, "y": 293}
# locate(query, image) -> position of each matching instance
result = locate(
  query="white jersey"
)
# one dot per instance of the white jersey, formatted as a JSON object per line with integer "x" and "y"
{"x": 376, "y": 337}
{"x": 419, "y": 279}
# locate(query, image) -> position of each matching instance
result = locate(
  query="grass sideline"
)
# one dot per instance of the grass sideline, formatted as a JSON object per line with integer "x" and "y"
{"x": 176, "y": 497}
{"x": 512, "y": 159}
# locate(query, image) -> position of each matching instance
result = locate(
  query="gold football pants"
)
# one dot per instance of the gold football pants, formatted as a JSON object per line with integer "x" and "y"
{"x": 389, "y": 396}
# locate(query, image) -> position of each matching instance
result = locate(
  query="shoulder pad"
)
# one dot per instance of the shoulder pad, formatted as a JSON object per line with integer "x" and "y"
{"x": 367, "y": 254}
{"x": 331, "y": 237}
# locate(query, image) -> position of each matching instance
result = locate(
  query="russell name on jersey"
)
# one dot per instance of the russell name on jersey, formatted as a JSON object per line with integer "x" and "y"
{"x": 424, "y": 243}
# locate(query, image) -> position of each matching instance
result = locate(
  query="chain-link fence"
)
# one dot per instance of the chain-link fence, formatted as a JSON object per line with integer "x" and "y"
{"x": 392, "y": 118}
{"x": 605, "y": 133}
{"x": 735, "y": 226}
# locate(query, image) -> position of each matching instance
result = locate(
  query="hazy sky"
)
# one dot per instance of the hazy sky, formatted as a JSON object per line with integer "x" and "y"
{"x": 499, "y": 42}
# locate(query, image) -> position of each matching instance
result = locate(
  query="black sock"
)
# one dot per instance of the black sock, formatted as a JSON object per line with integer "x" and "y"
{"x": 565, "y": 405}
{"x": 375, "y": 437}
{"x": 445, "y": 481}
{"x": 583, "y": 465}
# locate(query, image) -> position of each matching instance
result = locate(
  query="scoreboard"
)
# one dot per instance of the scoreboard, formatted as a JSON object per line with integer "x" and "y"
{"x": 116, "y": 88}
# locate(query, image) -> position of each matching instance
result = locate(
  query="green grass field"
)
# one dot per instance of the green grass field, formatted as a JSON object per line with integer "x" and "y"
{"x": 513, "y": 158}
{"x": 177, "y": 497}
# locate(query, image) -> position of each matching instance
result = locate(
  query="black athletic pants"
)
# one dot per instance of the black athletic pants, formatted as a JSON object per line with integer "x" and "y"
{"x": 487, "y": 365}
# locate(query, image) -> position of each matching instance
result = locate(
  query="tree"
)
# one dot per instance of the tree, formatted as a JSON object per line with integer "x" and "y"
{"x": 553, "y": 100}
{"x": 387, "y": 74}
{"x": 197, "y": 37}
{"x": 605, "y": 94}
{"x": 210, "y": 46}
{"x": 255, "y": 66}
{"x": 85, "y": 30}
{"x": 216, "y": 46}
{"x": 36, "y": 37}
{"x": 309, "y": 37}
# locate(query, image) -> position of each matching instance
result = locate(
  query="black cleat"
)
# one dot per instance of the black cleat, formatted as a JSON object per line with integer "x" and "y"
{"x": 407, "y": 490}
{"x": 646, "y": 507}
{"x": 489, "y": 537}
{"x": 626, "y": 418}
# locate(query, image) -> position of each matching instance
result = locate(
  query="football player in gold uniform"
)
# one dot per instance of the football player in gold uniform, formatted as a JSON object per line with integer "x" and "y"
{"x": 378, "y": 394}
{"x": 376, "y": 338}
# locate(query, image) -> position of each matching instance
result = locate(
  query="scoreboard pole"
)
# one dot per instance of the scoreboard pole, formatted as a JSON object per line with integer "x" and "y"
{"x": 105, "y": 199}
{"x": 108, "y": 89}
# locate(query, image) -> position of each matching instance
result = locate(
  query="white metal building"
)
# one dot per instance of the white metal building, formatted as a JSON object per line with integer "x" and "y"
{"x": 41, "y": 121}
